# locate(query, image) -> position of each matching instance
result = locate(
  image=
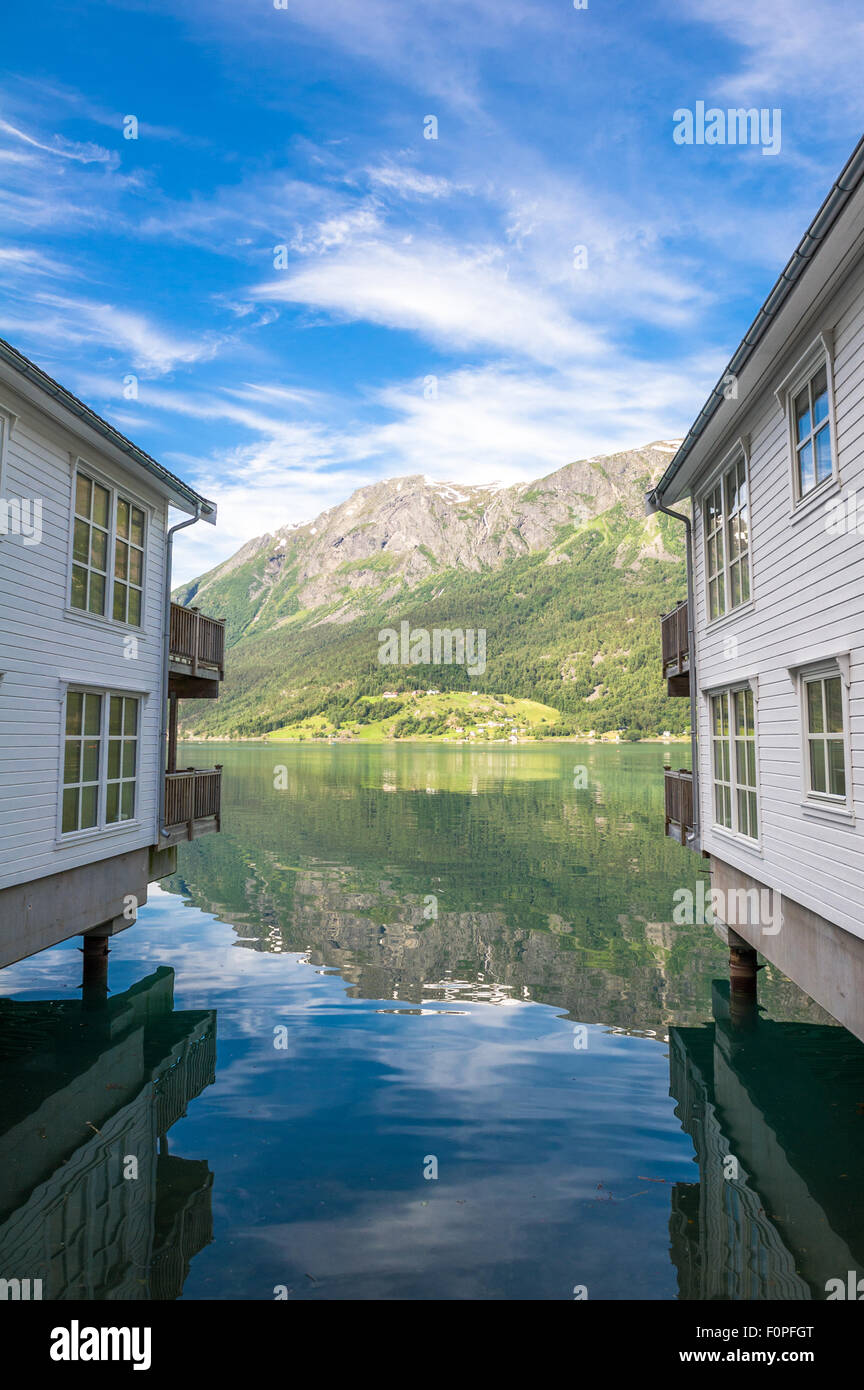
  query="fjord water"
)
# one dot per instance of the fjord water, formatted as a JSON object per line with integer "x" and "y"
{"x": 407, "y": 960}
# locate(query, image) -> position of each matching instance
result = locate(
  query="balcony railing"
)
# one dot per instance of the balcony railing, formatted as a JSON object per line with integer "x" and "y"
{"x": 675, "y": 634}
{"x": 197, "y": 641}
{"x": 678, "y": 787}
{"x": 193, "y": 803}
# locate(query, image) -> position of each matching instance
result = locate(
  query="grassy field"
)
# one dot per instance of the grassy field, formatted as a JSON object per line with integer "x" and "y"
{"x": 448, "y": 716}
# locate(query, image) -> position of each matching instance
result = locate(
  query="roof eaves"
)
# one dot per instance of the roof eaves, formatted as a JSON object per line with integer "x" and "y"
{"x": 814, "y": 238}
{"x": 44, "y": 382}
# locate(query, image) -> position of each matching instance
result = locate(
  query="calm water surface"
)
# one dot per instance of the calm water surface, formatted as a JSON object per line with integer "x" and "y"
{"x": 408, "y": 959}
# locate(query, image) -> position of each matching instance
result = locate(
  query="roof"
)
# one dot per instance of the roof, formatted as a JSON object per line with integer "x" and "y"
{"x": 185, "y": 497}
{"x": 803, "y": 257}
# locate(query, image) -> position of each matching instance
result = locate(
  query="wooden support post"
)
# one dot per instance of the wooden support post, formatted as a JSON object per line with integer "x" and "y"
{"x": 172, "y": 731}
{"x": 743, "y": 1003}
{"x": 95, "y": 978}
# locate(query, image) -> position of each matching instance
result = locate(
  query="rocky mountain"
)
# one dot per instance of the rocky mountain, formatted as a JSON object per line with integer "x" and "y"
{"x": 301, "y": 604}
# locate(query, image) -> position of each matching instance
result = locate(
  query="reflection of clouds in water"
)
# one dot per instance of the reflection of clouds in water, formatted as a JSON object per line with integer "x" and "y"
{"x": 56, "y": 971}
{"x": 328, "y": 1129}
{"x": 544, "y": 1206}
{"x": 463, "y": 1066}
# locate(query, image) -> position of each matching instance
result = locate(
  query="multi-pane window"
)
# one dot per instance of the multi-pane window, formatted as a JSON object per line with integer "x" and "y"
{"x": 738, "y": 533}
{"x": 722, "y": 762}
{"x": 128, "y": 563}
{"x": 107, "y": 553}
{"x": 82, "y": 761}
{"x": 812, "y": 433}
{"x": 726, "y": 514}
{"x": 715, "y": 552}
{"x": 826, "y": 747}
{"x": 122, "y": 759}
{"x": 100, "y": 760}
{"x": 733, "y": 739}
{"x": 91, "y": 529}
{"x": 745, "y": 763}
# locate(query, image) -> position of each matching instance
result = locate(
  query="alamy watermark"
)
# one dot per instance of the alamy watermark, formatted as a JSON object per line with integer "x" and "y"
{"x": 442, "y": 647}
{"x": 20, "y": 1290}
{"x": 77, "y": 1343}
{"x": 750, "y": 907}
{"x": 739, "y": 126}
{"x": 844, "y": 516}
{"x": 852, "y": 1288}
{"x": 21, "y": 517}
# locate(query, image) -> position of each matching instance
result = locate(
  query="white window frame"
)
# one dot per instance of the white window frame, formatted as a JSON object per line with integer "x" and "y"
{"x": 117, "y": 492}
{"x": 819, "y": 355}
{"x": 727, "y": 693}
{"x": 131, "y": 545}
{"x": 831, "y": 669}
{"x": 738, "y": 454}
{"x": 8, "y": 421}
{"x": 103, "y": 826}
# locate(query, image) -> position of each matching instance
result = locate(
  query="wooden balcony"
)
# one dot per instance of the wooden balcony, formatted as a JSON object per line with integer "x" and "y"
{"x": 196, "y": 653}
{"x": 675, "y": 633}
{"x": 193, "y": 804}
{"x": 678, "y": 787}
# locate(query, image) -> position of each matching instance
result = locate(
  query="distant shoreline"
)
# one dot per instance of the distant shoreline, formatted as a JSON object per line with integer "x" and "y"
{"x": 449, "y": 742}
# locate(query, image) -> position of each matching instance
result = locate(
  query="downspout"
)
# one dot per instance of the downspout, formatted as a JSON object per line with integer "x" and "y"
{"x": 655, "y": 505}
{"x": 166, "y": 654}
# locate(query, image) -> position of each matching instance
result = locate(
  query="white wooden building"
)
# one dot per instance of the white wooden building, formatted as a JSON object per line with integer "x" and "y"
{"x": 93, "y": 656}
{"x": 770, "y": 645}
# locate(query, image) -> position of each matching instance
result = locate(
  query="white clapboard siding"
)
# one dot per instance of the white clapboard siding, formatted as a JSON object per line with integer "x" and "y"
{"x": 42, "y": 645}
{"x": 808, "y": 597}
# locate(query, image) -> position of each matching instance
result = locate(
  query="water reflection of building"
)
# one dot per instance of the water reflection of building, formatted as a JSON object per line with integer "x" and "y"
{"x": 784, "y": 1100}
{"x": 86, "y": 1086}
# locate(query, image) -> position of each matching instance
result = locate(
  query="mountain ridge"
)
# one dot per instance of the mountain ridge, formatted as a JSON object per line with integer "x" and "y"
{"x": 397, "y": 517}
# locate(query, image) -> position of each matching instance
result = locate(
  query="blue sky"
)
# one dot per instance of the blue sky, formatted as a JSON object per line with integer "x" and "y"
{"x": 279, "y": 390}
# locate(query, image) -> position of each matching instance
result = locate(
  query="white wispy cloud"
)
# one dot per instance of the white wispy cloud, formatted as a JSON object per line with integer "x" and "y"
{"x": 789, "y": 49}
{"x": 413, "y": 183}
{"x": 338, "y": 230}
{"x": 494, "y": 423}
{"x": 452, "y": 296}
{"x": 81, "y": 153}
{"x": 63, "y": 320}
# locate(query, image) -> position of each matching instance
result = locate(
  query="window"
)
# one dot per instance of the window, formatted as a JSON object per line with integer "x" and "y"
{"x": 722, "y": 765}
{"x": 83, "y": 759}
{"x": 122, "y": 759}
{"x": 100, "y": 760}
{"x": 128, "y": 563}
{"x": 7, "y": 425}
{"x": 726, "y": 517}
{"x": 738, "y": 533}
{"x": 826, "y": 743}
{"x": 733, "y": 741}
{"x": 90, "y": 545}
{"x": 715, "y": 553}
{"x": 745, "y": 763}
{"x": 811, "y": 433}
{"x": 107, "y": 552}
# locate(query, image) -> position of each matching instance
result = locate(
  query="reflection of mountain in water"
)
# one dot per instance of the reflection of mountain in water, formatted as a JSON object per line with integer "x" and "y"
{"x": 83, "y": 1087}
{"x": 784, "y": 1100}
{"x": 406, "y": 868}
